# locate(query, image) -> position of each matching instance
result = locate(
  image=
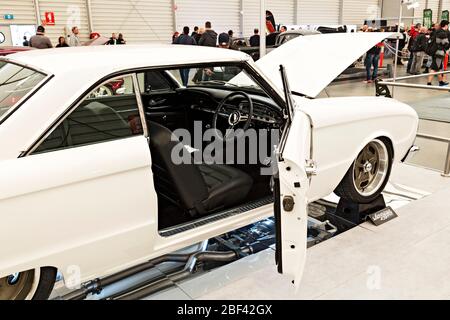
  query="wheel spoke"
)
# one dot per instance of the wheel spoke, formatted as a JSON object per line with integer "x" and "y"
{"x": 366, "y": 178}
{"x": 361, "y": 179}
{"x": 371, "y": 167}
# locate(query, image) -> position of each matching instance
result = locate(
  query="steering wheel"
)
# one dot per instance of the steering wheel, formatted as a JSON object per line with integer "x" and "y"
{"x": 234, "y": 115}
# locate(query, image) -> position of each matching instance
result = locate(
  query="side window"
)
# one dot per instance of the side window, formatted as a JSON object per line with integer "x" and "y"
{"x": 109, "y": 112}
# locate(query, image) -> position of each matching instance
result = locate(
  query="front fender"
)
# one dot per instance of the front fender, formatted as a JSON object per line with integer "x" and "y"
{"x": 343, "y": 126}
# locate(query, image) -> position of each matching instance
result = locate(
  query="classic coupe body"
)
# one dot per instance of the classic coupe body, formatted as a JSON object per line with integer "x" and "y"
{"x": 91, "y": 185}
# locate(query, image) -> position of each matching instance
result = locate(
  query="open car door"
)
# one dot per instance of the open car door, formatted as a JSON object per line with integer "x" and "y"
{"x": 291, "y": 186}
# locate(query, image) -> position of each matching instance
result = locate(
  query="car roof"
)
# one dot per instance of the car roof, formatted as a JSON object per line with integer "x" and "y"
{"x": 109, "y": 59}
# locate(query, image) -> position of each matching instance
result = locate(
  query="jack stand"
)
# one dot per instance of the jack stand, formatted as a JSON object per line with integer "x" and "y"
{"x": 357, "y": 213}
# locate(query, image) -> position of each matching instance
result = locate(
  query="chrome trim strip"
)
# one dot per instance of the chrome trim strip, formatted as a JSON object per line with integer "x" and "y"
{"x": 140, "y": 105}
{"x": 172, "y": 231}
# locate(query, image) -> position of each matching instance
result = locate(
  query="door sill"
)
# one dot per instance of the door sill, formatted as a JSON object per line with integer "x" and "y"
{"x": 168, "y": 232}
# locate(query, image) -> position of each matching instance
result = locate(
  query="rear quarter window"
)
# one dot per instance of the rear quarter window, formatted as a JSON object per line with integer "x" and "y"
{"x": 15, "y": 83}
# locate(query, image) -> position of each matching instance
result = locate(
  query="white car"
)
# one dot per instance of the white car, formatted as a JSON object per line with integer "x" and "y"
{"x": 89, "y": 185}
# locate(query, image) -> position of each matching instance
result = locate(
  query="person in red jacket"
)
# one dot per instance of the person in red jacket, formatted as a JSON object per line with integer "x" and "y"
{"x": 413, "y": 33}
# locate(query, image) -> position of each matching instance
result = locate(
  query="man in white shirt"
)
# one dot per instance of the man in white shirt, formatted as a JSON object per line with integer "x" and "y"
{"x": 74, "y": 40}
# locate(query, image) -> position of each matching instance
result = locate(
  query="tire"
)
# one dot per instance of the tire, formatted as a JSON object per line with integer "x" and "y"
{"x": 46, "y": 283}
{"x": 35, "y": 284}
{"x": 366, "y": 179}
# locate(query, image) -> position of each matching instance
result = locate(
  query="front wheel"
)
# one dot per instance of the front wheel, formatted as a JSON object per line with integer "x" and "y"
{"x": 369, "y": 173}
{"x": 35, "y": 284}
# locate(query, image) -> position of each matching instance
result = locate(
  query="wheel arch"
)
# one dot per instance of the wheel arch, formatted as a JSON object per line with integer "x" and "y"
{"x": 386, "y": 138}
{"x": 390, "y": 144}
{"x": 331, "y": 176}
{"x": 347, "y": 188}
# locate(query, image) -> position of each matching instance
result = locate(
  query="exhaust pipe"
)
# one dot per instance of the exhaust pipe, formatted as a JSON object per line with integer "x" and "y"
{"x": 96, "y": 286}
{"x": 154, "y": 285}
{"x": 146, "y": 289}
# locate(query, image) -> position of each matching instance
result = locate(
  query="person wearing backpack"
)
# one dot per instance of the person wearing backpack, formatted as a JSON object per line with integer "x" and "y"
{"x": 413, "y": 33}
{"x": 430, "y": 36}
{"x": 418, "y": 49}
{"x": 438, "y": 47}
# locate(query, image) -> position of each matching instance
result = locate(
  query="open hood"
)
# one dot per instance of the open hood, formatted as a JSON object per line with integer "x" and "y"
{"x": 313, "y": 62}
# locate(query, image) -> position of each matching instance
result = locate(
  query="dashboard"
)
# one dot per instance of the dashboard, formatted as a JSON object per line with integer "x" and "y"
{"x": 206, "y": 100}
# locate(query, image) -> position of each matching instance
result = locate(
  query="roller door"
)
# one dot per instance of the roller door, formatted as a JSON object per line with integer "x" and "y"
{"x": 224, "y": 15}
{"x": 319, "y": 12}
{"x": 356, "y": 11}
{"x": 24, "y": 11}
{"x": 68, "y": 13}
{"x": 283, "y": 10}
{"x": 140, "y": 21}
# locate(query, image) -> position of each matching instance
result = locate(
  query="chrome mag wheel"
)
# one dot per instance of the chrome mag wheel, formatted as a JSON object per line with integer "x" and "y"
{"x": 18, "y": 286}
{"x": 371, "y": 168}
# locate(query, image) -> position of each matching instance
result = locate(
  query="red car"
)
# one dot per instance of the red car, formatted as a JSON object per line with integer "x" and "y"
{"x": 4, "y": 51}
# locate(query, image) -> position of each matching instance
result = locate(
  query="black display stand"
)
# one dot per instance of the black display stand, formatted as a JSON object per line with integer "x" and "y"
{"x": 357, "y": 213}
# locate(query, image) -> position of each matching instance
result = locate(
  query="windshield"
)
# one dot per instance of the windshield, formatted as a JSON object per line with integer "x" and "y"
{"x": 288, "y": 37}
{"x": 218, "y": 75}
{"x": 15, "y": 83}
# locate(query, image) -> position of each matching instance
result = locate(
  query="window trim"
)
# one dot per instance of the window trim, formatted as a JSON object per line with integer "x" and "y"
{"x": 137, "y": 91}
{"x": 249, "y": 68}
{"x": 171, "y": 81}
{"x": 271, "y": 92}
{"x": 81, "y": 100}
{"x": 26, "y": 97}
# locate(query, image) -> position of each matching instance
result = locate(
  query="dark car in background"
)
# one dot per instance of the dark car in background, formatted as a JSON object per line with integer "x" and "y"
{"x": 276, "y": 39}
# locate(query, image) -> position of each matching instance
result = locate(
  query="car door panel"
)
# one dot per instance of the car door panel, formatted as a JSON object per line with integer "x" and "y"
{"x": 293, "y": 187}
{"x": 92, "y": 206}
{"x": 166, "y": 109}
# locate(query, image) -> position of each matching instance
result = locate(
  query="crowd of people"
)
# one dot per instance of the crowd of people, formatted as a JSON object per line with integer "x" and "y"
{"x": 206, "y": 37}
{"x": 426, "y": 51}
{"x": 41, "y": 41}
{"x": 424, "y": 45}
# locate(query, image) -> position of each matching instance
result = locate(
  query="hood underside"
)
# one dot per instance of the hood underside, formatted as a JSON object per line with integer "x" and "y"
{"x": 313, "y": 62}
